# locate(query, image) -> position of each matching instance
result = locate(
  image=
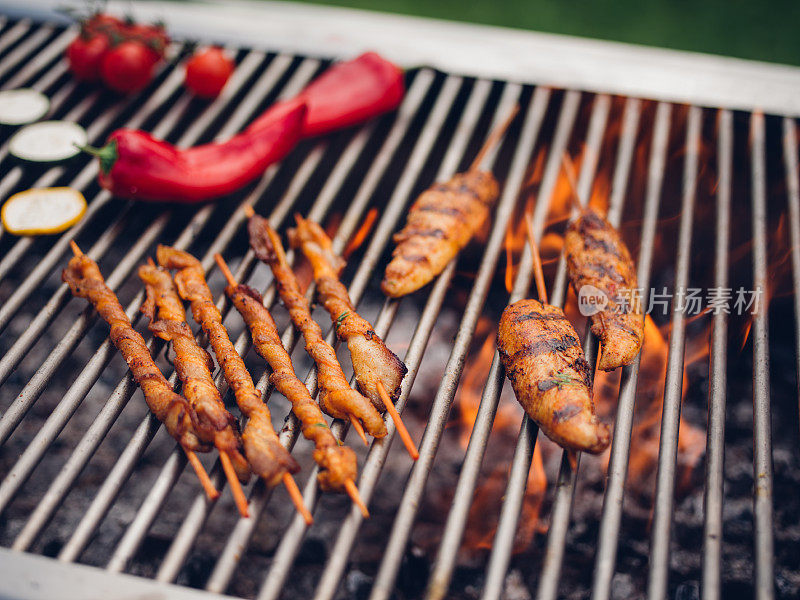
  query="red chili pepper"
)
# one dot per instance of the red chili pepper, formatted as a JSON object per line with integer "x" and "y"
{"x": 346, "y": 94}
{"x": 134, "y": 164}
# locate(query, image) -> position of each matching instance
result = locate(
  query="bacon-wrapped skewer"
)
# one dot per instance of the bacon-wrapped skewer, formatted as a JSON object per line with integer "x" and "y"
{"x": 441, "y": 222}
{"x": 379, "y": 372}
{"x": 267, "y": 457}
{"x": 598, "y": 257}
{"x": 337, "y": 464}
{"x": 84, "y": 279}
{"x": 194, "y": 366}
{"x": 336, "y": 397}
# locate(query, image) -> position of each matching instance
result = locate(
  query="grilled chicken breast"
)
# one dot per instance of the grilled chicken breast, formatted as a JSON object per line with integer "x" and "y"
{"x": 440, "y": 223}
{"x": 544, "y": 361}
{"x": 597, "y": 256}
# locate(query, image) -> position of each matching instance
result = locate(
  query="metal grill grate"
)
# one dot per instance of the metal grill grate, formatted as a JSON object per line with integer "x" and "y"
{"x": 54, "y": 357}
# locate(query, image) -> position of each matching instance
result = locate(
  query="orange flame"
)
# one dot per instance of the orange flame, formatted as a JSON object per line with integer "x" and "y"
{"x": 484, "y": 512}
{"x": 362, "y": 233}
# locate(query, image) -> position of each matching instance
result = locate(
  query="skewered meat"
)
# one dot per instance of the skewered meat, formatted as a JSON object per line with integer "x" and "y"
{"x": 440, "y": 223}
{"x": 267, "y": 457}
{"x": 192, "y": 363}
{"x": 373, "y": 362}
{"x": 544, "y": 361}
{"x": 337, "y": 463}
{"x": 597, "y": 256}
{"x": 336, "y": 397}
{"x": 83, "y": 277}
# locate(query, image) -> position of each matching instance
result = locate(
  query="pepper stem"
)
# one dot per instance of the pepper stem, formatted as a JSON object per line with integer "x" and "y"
{"x": 108, "y": 155}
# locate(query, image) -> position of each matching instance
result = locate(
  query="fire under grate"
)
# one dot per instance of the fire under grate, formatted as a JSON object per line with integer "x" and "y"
{"x": 705, "y": 198}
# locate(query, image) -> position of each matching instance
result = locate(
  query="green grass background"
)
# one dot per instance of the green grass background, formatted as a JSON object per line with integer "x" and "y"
{"x": 761, "y": 30}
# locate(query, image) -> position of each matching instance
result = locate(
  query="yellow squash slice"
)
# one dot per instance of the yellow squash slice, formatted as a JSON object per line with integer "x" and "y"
{"x": 42, "y": 211}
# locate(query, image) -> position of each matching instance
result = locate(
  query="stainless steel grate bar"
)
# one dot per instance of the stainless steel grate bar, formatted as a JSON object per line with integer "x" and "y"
{"x": 568, "y": 472}
{"x": 26, "y": 47}
{"x": 718, "y": 393}
{"x": 12, "y": 34}
{"x": 259, "y": 496}
{"x": 117, "y": 478}
{"x": 673, "y": 387}
{"x": 290, "y": 543}
{"x": 53, "y": 49}
{"x": 172, "y": 470}
{"x": 523, "y": 452}
{"x": 762, "y": 428}
{"x": 409, "y": 503}
{"x": 608, "y": 538}
{"x": 240, "y": 537}
{"x": 38, "y": 382}
{"x": 201, "y": 507}
{"x": 479, "y": 437}
{"x": 371, "y": 470}
{"x": 86, "y": 175}
{"x": 793, "y": 199}
{"x": 46, "y": 315}
{"x": 89, "y": 171}
{"x": 591, "y": 154}
{"x": 83, "y": 383}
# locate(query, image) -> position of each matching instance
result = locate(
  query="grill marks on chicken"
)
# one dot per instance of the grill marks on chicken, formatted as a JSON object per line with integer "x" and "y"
{"x": 440, "y": 223}
{"x": 552, "y": 380}
{"x": 373, "y": 362}
{"x": 193, "y": 364}
{"x": 84, "y": 279}
{"x": 337, "y": 463}
{"x": 336, "y": 397}
{"x": 597, "y": 256}
{"x": 267, "y": 457}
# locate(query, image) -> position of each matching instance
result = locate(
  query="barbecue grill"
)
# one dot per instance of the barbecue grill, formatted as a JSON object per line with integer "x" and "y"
{"x": 87, "y": 476}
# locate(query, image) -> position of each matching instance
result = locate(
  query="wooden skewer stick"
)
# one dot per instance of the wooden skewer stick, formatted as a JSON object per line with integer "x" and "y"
{"x": 398, "y": 422}
{"x": 297, "y": 498}
{"x": 494, "y": 138}
{"x": 289, "y": 482}
{"x": 230, "y": 473}
{"x": 538, "y": 273}
{"x": 226, "y": 271}
{"x": 359, "y": 429}
{"x": 352, "y": 491}
{"x": 205, "y": 480}
{"x": 569, "y": 169}
{"x": 239, "y": 497}
{"x": 236, "y": 487}
{"x": 350, "y": 486}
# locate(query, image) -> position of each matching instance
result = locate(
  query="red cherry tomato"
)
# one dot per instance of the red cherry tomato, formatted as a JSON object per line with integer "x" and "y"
{"x": 127, "y": 67}
{"x": 85, "y": 55}
{"x": 208, "y": 71}
{"x": 102, "y": 23}
{"x": 154, "y": 37}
